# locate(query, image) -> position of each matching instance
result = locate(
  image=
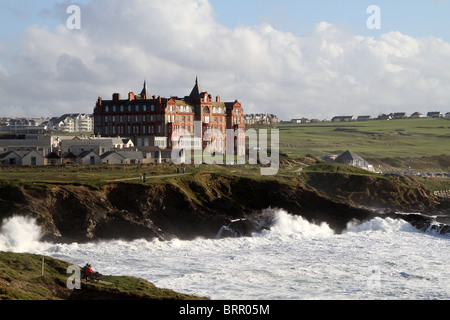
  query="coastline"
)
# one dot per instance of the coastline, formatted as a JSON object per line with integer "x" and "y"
{"x": 200, "y": 204}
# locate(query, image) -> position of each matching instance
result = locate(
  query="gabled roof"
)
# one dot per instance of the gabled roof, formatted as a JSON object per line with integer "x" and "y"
{"x": 86, "y": 153}
{"x": 52, "y": 155}
{"x": 69, "y": 155}
{"x": 6, "y": 154}
{"x": 132, "y": 154}
{"x": 106, "y": 154}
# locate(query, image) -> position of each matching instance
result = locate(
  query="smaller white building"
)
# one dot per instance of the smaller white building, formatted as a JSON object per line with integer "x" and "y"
{"x": 76, "y": 122}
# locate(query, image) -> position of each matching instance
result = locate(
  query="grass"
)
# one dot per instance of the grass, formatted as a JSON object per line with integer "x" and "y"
{"x": 421, "y": 144}
{"x": 21, "y": 279}
{"x": 375, "y": 139}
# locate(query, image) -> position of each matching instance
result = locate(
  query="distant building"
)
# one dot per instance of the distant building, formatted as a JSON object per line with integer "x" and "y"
{"x": 260, "y": 118}
{"x": 302, "y": 120}
{"x": 74, "y": 122}
{"x": 352, "y": 159}
{"x": 400, "y": 115}
{"x": 42, "y": 145}
{"x": 384, "y": 117}
{"x": 447, "y": 115}
{"x": 364, "y": 118}
{"x": 343, "y": 119}
{"x": 24, "y": 125}
{"x": 77, "y": 146}
{"x": 416, "y": 115}
{"x": 434, "y": 114}
{"x": 155, "y": 121}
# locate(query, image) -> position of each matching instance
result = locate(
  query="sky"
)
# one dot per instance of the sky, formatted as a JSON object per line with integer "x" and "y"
{"x": 313, "y": 59}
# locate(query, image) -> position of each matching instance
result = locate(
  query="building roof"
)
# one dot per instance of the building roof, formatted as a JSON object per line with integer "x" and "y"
{"x": 69, "y": 155}
{"x": 52, "y": 155}
{"x": 6, "y": 154}
{"x": 108, "y": 153}
{"x": 348, "y": 156}
{"x": 145, "y": 93}
{"x": 88, "y": 142}
{"x": 25, "y": 142}
{"x": 86, "y": 153}
{"x": 196, "y": 91}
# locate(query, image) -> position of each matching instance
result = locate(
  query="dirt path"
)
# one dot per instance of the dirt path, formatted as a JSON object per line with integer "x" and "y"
{"x": 149, "y": 177}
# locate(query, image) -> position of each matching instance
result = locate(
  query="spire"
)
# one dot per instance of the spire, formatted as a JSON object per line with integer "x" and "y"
{"x": 196, "y": 91}
{"x": 145, "y": 91}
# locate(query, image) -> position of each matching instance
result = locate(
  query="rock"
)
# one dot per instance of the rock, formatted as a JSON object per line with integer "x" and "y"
{"x": 186, "y": 209}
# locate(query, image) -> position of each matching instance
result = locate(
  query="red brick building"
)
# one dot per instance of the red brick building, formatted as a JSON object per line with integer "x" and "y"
{"x": 152, "y": 121}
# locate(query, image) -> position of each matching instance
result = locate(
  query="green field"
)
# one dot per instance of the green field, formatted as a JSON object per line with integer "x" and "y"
{"x": 416, "y": 144}
{"x": 378, "y": 141}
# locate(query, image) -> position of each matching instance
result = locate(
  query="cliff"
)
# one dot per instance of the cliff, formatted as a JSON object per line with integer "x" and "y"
{"x": 200, "y": 205}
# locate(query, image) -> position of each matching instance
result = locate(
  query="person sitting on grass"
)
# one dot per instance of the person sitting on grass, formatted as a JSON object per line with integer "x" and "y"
{"x": 89, "y": 273}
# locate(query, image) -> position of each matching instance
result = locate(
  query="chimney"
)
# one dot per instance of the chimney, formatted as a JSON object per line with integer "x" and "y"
{"x": 130, "y": 96}
{"x": 218, "y": 99}
{"x": 116, "y": 96}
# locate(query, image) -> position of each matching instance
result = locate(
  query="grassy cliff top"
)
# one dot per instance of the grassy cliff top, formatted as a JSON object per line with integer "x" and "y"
{"x": 21, "y": 279}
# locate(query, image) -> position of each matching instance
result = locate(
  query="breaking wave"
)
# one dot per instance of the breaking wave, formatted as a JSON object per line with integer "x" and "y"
{"x": 300, "y": 259}
{"x": 19, "y": 234}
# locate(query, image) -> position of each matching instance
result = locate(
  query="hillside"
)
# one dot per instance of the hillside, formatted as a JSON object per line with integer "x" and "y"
{"x": 21, "y": 279}
{"x": 419, "y": 144}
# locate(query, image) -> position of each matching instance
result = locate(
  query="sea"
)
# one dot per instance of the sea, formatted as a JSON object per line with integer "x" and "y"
{"x": 382, "y": 259}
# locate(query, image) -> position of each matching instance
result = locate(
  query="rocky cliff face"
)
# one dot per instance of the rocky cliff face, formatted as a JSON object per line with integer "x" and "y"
{"x": 401, "y": 193}
{"x": 185, "y": 209}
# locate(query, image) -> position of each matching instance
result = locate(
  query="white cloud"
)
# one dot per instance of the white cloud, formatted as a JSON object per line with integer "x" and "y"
{"x": 318, "y": 75}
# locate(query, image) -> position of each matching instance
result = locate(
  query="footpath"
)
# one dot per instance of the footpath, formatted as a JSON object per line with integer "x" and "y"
{"x": 143, "y": 179}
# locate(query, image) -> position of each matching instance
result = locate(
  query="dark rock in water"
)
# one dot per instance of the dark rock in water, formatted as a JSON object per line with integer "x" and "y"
{"x": 240, "y": 228}
{"x": 421, "y": 222}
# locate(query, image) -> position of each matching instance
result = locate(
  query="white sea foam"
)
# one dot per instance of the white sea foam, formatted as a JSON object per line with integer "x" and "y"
{"x": 19, "y": 234}
{"x": 380, "y": 259}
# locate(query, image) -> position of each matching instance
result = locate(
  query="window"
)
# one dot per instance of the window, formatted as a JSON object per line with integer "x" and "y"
{"x": 106, "y": 109}
{"x": 33, "y": 161}
{"x": 121, "y": 108}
